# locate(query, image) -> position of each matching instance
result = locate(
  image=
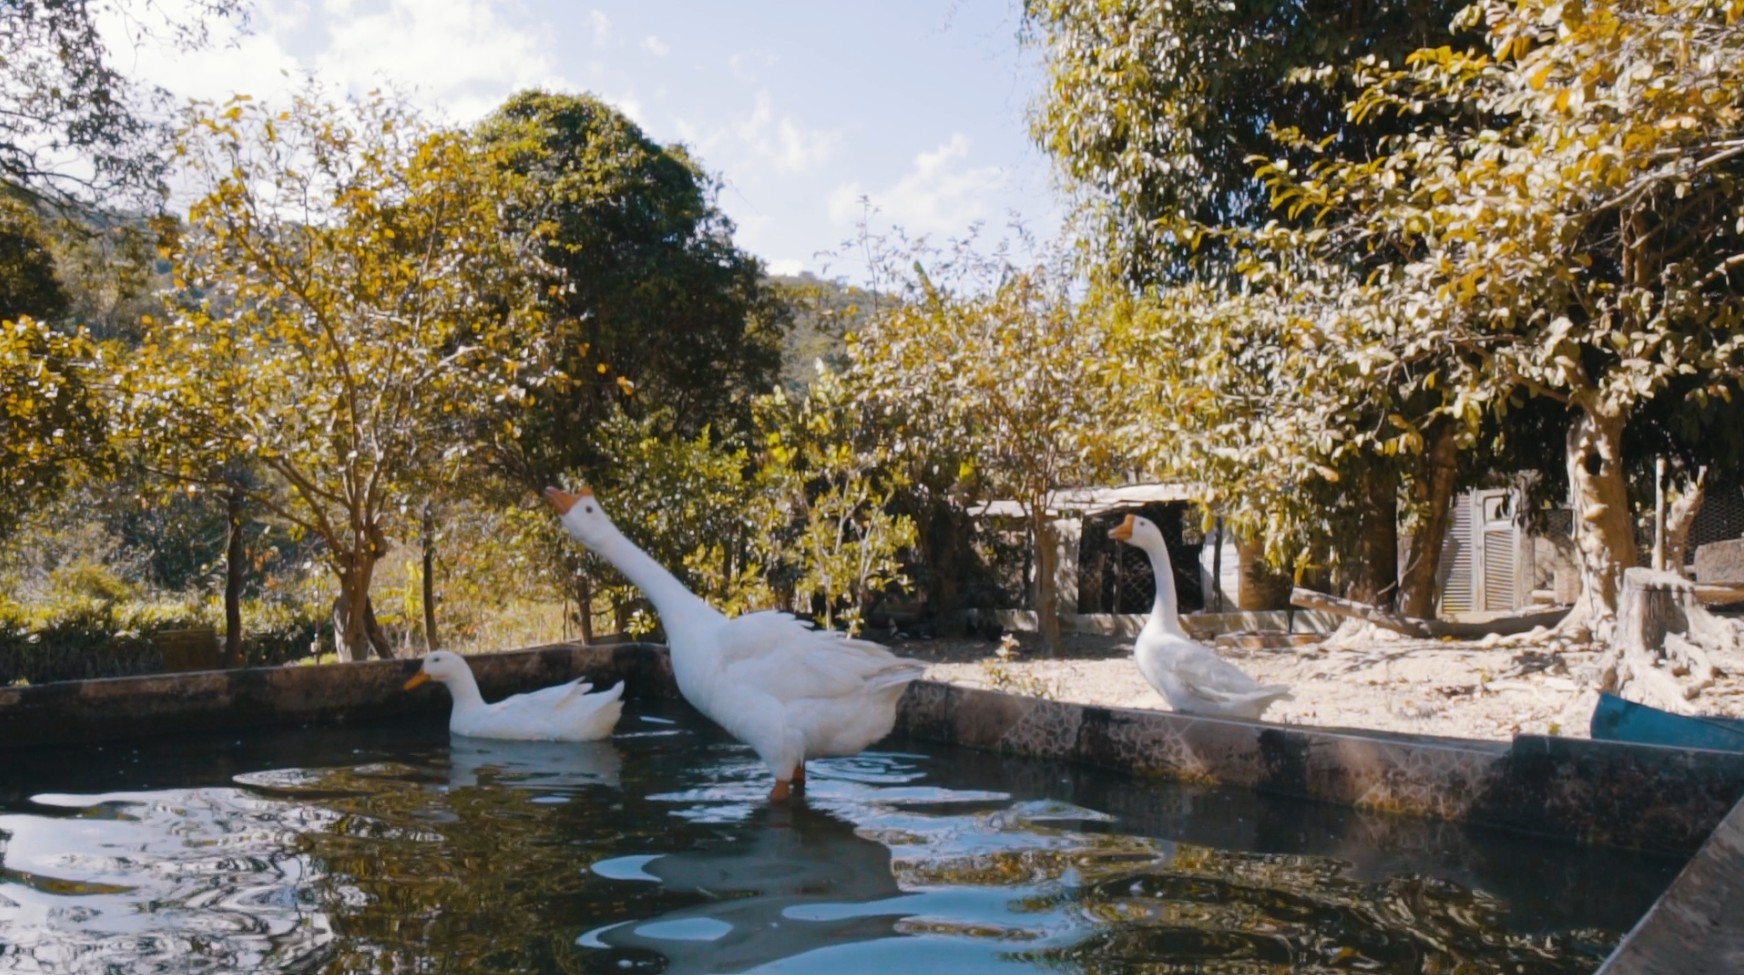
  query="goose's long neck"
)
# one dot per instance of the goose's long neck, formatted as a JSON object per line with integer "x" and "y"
{"x": 1165, "y": 609}
{"x": 463, "y": 687}
{"x": 671, "y": 599}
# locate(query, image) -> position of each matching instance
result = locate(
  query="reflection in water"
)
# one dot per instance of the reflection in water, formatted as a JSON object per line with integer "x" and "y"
{"x": 748, "y": 898}
{"x": 555, "y": 765}
{"x": 398, "y": 849}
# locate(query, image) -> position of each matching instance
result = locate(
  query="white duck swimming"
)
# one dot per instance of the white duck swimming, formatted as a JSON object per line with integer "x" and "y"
{"x": 788, "y": 690}
{"x": 1190, "y": 674}
{"x": 562, "y": 712}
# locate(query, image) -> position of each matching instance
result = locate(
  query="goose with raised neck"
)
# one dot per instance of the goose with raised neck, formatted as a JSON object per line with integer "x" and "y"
{"x": 790, "y": 691}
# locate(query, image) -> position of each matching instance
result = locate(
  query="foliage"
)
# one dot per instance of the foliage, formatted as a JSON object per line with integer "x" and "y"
{"x": 997, "y": 362}
{"x": 28, "y": 283}
{"x": 53, "y": 426}
{"x": 824, "y": 509}
{"x": 74, "y": 130}
{"x": 656, "y": 303}
{"x": 824, "y": 312}
{"x": 1584, "y": 245}
{"x": 348, "y": 293}
{"x": 1154, "y": 108}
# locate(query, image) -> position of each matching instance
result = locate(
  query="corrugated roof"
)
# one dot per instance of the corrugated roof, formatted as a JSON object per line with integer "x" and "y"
{"x": 1091, "y": 500}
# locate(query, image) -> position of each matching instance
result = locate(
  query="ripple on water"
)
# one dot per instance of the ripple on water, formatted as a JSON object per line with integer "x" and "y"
{"x": 657, "y": 851}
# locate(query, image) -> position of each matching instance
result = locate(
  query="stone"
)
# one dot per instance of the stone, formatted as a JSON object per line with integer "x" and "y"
{"x": 1719, "y": 563}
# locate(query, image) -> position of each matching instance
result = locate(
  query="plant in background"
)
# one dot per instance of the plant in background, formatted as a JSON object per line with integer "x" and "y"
{"x": 824, "y": 510}
{"x": 995, "y": 364}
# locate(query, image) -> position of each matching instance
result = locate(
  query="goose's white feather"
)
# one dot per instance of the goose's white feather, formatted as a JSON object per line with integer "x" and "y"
{"x": 775, "y": 682}
{"x": 562, "y": 712}
{"x": 1191, "y": 675}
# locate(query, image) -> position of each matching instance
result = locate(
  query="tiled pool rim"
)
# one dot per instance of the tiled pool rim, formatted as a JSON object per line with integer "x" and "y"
{"x": 1673, "y": 800}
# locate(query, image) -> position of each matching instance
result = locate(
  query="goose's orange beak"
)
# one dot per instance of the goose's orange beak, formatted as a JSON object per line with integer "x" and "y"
{"x": 418, "y": 678}
{"x": 562, "y": 500}
{"x": 1123, "y": 531}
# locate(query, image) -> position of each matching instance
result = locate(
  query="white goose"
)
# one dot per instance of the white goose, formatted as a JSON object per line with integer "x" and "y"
{"x": 788, "y": 690}
{"x": 562, "y": 712}
{"x": 1190, "y": 674}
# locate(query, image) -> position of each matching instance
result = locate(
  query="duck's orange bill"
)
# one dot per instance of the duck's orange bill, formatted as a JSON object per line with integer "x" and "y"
{"x": 562, "y": 500}
{"x": 418, "y": 678}
{"x": 1123, "y": 531}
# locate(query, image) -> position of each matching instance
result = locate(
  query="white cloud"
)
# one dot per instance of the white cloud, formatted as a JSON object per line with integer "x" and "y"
{"x": 602, "y": 28}
{"x": 785, "y": 266}
{"x": 457, "y": 53}
{"x": 744, "y": 65}
{"x": 940, "y": 194}
{"x": 784, "y": 143}
{"x": 655, "y": 46}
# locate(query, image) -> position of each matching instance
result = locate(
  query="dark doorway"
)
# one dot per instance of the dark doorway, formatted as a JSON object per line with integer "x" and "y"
{"x": 1116, "y": 578}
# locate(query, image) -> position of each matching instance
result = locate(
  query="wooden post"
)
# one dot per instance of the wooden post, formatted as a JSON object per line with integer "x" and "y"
{"x": 1658, "y": 563}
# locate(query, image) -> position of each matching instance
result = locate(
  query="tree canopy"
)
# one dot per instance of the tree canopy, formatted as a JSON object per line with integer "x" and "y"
{"x": 75, "y": 129}
{"x": 656, "y": 305}
{"x": 348, "y": 295}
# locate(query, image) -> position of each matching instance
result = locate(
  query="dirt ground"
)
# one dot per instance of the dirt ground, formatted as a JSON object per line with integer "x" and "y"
{"x": 1359, "y": 677}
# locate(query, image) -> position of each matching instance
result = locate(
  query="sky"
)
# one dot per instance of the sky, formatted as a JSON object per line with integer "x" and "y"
{"x": 815, "y": 116}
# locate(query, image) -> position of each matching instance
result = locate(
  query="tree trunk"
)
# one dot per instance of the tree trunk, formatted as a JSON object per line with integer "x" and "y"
{"x": 1046, "y": 593}
{"x": 1375, "y": 576}
{"x": 1678, "y": 519}
{"x": 584, "y": 606}
{"x": 235, "y": 557}
{"x": 1433, "y": 493}
{"x": 1604, "y": 534}
{"x": 429, "y": 542}
{"x": 1666, "y": 648}
{"x": 356, "y": 633}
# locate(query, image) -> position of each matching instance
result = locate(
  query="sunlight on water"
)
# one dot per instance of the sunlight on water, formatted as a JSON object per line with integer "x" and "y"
{"x": 394, "y": 849}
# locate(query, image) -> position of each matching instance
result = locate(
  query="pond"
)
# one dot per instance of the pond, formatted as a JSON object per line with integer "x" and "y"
{"x": 392, "y": 849}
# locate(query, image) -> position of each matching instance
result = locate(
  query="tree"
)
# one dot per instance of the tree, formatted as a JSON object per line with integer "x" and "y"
{"x": 1156, "y": 115}
{"x": 1155, "y": 109}
{"x": 28, "y": 281}
{"x": 1585, "y": 244}
{"x": 998, "y": 361}
{"x": 825, "y": 512}
{"x": 657, "y": 305}
{"x": 75, "y": 132}
{"x": 347, "y": 288}
{"x": 53, "y": 426}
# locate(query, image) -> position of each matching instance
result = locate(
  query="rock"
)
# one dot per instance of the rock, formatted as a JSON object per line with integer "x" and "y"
{"x": 1719, "y": 563}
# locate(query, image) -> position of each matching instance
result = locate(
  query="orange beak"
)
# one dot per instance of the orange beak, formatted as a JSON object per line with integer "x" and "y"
{"x": 1123, "y": 531}
{"x": 562, "y": 500}
{"x": 418, "y": 678}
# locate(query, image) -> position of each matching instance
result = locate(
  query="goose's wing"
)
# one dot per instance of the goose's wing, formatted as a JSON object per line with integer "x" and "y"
{"x": 545, "y": 698}
{"x": 582, "y": 698}
{"x": 560, "y": 712}
{"x": 1206, "y": 673}
{"x": 789, "y": 659}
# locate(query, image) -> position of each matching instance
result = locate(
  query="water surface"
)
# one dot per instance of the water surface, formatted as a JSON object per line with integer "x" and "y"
{"x": 393, "y": 849}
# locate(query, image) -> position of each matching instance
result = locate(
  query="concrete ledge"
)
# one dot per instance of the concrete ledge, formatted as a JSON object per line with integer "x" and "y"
{"x": 1630, "y": 796}
{"x": 1694, "y": 928}
{"x": 131, "y": 707}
